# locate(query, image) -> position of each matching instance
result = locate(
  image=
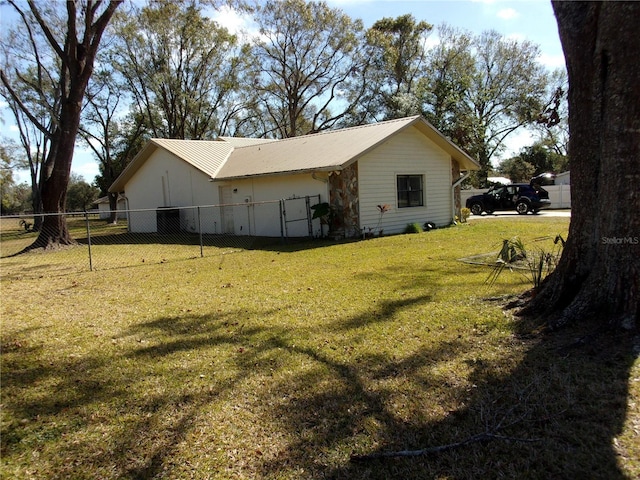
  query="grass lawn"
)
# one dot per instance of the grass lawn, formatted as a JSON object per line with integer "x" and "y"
{"x": 281, "y": 363}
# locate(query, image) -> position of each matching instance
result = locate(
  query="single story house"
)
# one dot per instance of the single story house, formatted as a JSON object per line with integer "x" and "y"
{"x": 405, "y": 165}
{"x": 104, "y": 209}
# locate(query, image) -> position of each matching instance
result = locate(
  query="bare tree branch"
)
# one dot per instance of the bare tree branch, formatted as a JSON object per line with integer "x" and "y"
{"x": 480, "y": 437}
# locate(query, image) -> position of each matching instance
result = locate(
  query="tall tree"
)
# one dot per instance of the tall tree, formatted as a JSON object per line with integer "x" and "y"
{"x": 181, "y": 69}
{"x": 35, "y": 146}
{"x": 35, "y": 94}
{"x": 483, "y": 88}
{"x": 506, "y": 92}
{"x": 309, "y": 66}
{"x": 598, "y": 275}
{"x": 397, "y": 48}
{"x": 74, "y": 48}
{"x": 450, "y": 68}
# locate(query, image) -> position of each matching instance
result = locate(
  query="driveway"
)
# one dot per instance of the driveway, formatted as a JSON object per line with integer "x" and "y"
{"x": 507, "y": 214}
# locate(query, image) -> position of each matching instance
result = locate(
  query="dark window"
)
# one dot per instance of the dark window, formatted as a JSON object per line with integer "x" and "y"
{"x": 410, "y": 191}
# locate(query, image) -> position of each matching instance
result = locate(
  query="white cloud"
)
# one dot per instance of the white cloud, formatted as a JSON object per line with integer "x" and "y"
{"x": 432, "y": 41}
{"x": 234, "y": 21}
{"x": 85, "y": 167}
{"x": 507, "y": 14}
{"x": 552, "y": 62}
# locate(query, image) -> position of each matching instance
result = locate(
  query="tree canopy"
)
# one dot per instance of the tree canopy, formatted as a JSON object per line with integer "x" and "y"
{"x": 308, "y": 65}
{"x": 181, "y": 69}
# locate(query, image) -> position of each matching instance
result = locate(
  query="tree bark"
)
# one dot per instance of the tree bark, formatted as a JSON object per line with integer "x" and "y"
{"x": 54, "y": 229}
{"x": 113, "y": 207}
{"x": 76, "y": 66}
{"x": 599, "y": 271}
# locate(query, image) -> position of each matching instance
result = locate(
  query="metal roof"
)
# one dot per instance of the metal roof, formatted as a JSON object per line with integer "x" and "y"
{"x": 205, "y": 155}
{"x": 245, "y": 142}
{"x": 327, "y": 151}
{"x": 332, "y": 150}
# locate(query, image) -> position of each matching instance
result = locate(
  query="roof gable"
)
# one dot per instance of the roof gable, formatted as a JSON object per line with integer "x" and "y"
{"x": 205, "y": 155}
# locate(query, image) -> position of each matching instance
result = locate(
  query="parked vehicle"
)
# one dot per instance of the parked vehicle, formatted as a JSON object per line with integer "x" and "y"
{"x": 521, "y": 197}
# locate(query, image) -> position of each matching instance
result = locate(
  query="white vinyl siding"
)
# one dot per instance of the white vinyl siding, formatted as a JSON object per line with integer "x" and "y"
{"x": 167, "y": 181}
{"x": 407, "y": 153}
{"x": 264, "y": 220}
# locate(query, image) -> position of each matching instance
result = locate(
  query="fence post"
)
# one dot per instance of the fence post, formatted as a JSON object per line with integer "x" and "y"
{"x": 200, "y": 232}
{"x": 282, "y": 222}
{"x": 86, "y": 219}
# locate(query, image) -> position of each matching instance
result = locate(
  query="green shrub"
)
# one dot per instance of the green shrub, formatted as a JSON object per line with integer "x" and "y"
{"x": 413, "y": 228}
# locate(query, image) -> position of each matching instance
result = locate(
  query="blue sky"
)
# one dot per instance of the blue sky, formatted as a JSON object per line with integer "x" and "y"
{"x": 531, "y": 20}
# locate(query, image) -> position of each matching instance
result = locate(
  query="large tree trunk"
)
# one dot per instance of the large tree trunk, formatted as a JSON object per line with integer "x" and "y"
{"x": 599, "y": 272}
{"x": 76, "y": 57}
{"x": 54, "y": 229}
{"x": 113, "y": 207}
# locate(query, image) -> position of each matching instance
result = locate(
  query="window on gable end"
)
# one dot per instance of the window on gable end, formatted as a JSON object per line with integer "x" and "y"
{"x": 410, "y": 190}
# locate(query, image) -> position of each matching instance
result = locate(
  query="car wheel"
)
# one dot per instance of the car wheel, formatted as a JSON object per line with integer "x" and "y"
{"x": 522, "y": 207}
{"x": 476, "y": 208}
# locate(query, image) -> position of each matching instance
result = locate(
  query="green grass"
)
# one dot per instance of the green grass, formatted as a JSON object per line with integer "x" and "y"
{"x": 282, "y": 363}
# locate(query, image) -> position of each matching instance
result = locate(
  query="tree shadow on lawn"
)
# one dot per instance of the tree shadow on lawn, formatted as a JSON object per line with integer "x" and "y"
{"x": 246, "y": 242}
{"x": 81, "y": 415}
{"x": 558, "y": 413}
{"x": 569, "y": 402}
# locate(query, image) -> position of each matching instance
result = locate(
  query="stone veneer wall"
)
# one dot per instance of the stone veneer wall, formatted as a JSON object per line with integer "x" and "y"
{"x": 343, "y": 198}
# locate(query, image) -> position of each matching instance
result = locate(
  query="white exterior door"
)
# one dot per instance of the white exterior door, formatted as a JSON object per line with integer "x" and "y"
{"x": 226, "y": 212}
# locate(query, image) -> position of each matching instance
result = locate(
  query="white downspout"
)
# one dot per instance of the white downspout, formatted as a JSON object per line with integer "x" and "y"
{"x": 464, "y": 176}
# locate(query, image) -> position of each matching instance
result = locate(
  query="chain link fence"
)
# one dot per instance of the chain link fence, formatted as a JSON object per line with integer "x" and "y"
{"x": 154, "y": 235}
